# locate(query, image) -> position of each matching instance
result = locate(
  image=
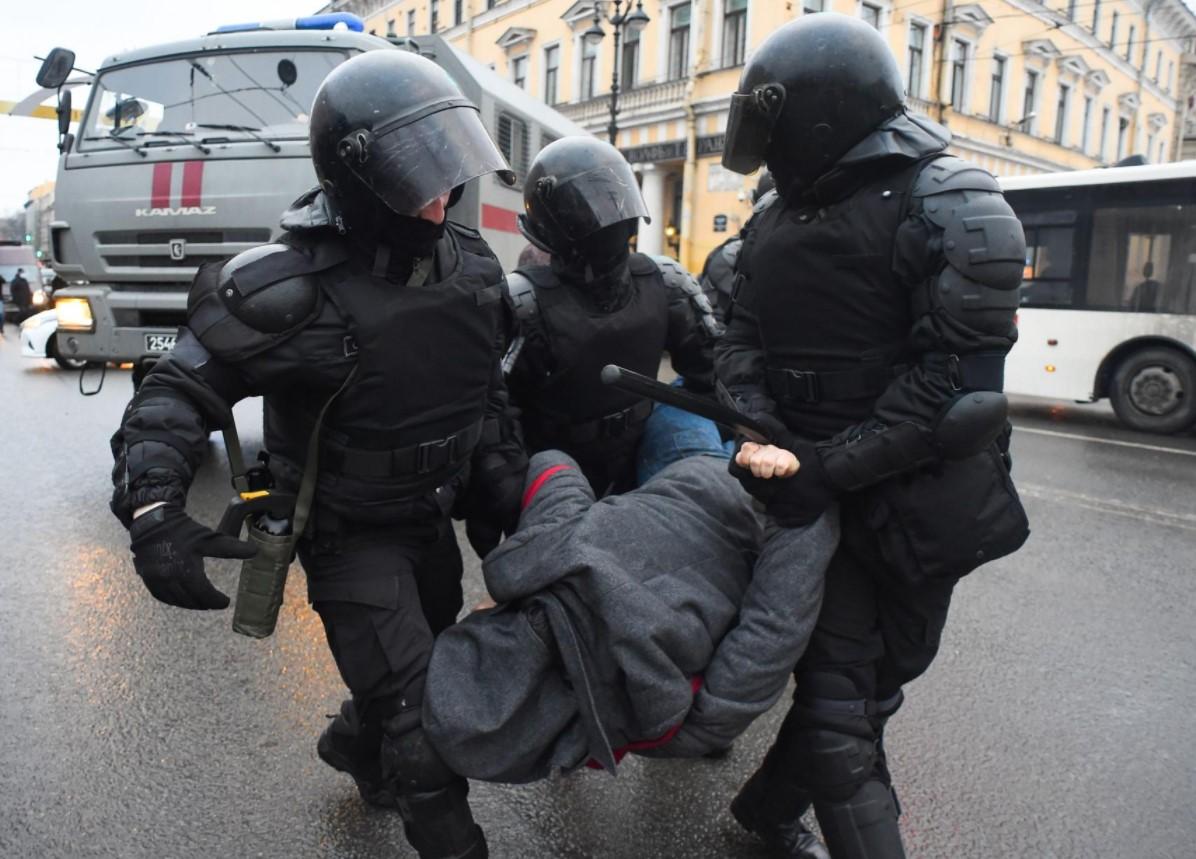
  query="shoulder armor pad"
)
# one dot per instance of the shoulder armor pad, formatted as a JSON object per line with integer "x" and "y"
{"x": 258, "y": 298}
{"x": 521, "y": 296}
{"x": 642, "y": 264}
{"x": 542, "y": 276}
{"x": 766, "y": 200}
{"x": 984, "y": 240}
{"x": 676, "y": 277}
{"x": 952, "y": 174}
{"x": 730, "y": 251}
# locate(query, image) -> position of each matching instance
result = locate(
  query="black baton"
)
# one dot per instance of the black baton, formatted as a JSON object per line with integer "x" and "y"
{"x": 635, "y": 383}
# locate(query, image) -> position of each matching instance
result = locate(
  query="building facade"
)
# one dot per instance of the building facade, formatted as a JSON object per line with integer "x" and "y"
{"x": 1023, "y": 86}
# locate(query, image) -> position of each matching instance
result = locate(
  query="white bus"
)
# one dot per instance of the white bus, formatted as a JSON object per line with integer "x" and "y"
{"x": 1108, "y": 303}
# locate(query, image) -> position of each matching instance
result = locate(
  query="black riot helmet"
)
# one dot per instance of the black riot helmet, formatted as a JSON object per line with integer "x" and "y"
{"x": 390, "y": 126}
{"x": 813, "y": 90}
{"x": 577, "y": 190}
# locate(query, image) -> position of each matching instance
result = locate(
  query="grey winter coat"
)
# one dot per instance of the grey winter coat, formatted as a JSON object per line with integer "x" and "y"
{"x": 608, "y": 611}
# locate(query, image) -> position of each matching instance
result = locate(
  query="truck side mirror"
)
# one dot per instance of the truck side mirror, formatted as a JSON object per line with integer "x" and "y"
{"x": 65, "y": 138}
{"x": 56, "y": 68}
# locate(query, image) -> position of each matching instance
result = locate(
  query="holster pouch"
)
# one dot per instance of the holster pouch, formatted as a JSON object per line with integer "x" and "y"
{"x": 263, "y": 580}
{"x": 943, "y": 521}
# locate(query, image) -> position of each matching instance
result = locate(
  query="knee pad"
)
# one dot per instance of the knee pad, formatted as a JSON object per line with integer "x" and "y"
{"x": 834, "y": 738}
{"x": 410, "y": 762}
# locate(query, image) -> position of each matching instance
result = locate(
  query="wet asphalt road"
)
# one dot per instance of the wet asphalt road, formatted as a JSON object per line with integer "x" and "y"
{"x": 1056, "y": 722}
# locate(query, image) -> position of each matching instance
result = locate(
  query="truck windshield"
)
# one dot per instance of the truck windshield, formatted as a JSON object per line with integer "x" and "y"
{"x": 230, "y": 96}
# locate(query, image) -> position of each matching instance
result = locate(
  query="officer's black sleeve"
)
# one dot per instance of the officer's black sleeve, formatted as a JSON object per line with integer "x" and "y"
{"x": 960, "y": 253}
{"x": 693, "y": 326}
{"x": 164, "y": 432}
{"x": 739, "y": 358}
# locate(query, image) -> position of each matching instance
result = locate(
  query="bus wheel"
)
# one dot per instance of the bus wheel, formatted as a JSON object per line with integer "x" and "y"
{"x": 1155, "y": 390}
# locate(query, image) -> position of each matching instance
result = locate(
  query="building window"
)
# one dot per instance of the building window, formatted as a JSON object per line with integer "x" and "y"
{"x": 589, "y": 61}
{"x": 679, "y": 17}
{"x": 513, "y": 142}
{"x": 433, "y": 15}
{"x": 629, "y": 71}
{"x": 519, "y": 71}
{"x": 1149, "y": 146}
{"x": 1061, "y": 114}
{"x": 490, "y": 4}
{"x": 734, "y": 33}
{"x": 996, "y": 90}
{"x": 1071, "y": 9}
{"x": 390, "y": 27}
{"x": 870, "y": 12}
{"x": 1104, "y": 134}
{"x": 411, "y": 22}
{"x": 1095, "y": 16}
{"x": 1129, "y": 45}
{"x": 1162, "y": 151}
{"x": 809, "y": 7}
{"x": 1029, "y": 121}
{"x": 1123, "y": 130}
{"x": 1086, "y": 130}
{"x": 458, "y": 11}
{"x": 1113, "y": 29}
{"x": 959, "y": 74}
{"x": 916, "y": 59}
{"x": 552, "y": 64}
{"x": 1170, "y": 71}
{"x": 1158, "y": 66}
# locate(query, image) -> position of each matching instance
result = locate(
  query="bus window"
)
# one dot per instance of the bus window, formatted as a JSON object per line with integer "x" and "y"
{"x": 1143, "y": 259}
{"x": 1047, "y": 279}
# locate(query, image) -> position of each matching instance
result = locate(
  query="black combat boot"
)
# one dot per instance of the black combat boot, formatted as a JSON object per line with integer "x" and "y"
{"x": 346, "y": 747}
{"x": 773, "y": 814}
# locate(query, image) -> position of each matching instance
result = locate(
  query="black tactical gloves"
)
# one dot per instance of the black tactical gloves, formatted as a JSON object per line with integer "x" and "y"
{"x": 796, "y": 500}
{"x": 168, "y": 551}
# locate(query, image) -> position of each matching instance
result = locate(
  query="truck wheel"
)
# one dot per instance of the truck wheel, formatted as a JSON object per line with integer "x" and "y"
{"x": 1155, "y": 390}
{"x": 60, "y": 359}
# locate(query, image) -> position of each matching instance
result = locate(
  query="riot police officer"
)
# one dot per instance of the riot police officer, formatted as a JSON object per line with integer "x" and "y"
{"x": 376, "y": 324}
{"x": 873, "y": 309}
{"x": 718, "y": 272}
{"x": 596, "y": 303}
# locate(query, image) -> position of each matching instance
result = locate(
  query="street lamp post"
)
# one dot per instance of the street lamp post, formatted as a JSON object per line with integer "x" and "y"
{"x": 619, "y": 19}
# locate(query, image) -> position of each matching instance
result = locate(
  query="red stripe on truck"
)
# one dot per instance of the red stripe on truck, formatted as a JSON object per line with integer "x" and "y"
{"x": 192, "y": 184}
{"x": 497, "y": 218}
{"x": 160, "y": 187}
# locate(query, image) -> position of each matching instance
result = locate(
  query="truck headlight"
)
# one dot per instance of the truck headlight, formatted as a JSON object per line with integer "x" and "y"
{"x": 74, "y": 314}
{"x": 39, "y": 298}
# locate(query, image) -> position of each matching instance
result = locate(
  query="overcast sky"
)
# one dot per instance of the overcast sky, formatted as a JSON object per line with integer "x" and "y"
{"x": 93, "y": 29}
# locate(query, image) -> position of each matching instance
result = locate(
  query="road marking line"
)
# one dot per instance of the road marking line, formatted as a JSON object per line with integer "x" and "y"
{"x": 1113, "y": 441}
{"x": 1155, "y": 515}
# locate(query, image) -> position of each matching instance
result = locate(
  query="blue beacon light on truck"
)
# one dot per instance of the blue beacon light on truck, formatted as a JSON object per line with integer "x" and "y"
{"x": 331, "y": 21}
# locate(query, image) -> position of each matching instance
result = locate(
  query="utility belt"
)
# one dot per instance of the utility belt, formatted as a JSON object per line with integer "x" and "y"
{"x": 424, "y": 458}
{"x": 980, "y": 371}
{"x": 611, "y": 426}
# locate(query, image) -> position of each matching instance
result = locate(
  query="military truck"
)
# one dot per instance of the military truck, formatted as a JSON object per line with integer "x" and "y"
{"x": 189, "y": 152}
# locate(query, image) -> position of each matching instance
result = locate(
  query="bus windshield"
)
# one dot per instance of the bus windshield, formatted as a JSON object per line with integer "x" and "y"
{"x": 207, "y": 97}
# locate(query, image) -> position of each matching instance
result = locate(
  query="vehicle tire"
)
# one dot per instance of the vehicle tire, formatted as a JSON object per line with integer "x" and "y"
{"x": 1154, "y": 390}
{"x": 60, "y": 359}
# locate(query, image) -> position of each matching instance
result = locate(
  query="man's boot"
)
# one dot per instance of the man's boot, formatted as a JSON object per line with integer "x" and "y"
{"x": 350, "y": 748}
{"x": 863, "y": 827}
{"x": 772, "y": 812}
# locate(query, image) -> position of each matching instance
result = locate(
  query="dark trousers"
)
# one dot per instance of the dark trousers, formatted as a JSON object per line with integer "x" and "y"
{"x": 383, "y": 594}
{"x": 873, "y": 629}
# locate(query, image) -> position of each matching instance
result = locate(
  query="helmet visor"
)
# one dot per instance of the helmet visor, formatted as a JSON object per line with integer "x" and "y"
{"x": 410, "y": 163}
{"x": 587, "y": 202}
{"x": 748, "y": 131}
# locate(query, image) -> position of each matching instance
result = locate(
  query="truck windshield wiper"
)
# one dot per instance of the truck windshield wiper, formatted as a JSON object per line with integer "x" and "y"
{"x": 251, "y": 131}
{"x": 136, "y": 148}
{"x": 177, "y": 135}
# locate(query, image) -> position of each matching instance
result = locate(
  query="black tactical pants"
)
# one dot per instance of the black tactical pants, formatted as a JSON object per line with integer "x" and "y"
{"x": 383, "y": 594}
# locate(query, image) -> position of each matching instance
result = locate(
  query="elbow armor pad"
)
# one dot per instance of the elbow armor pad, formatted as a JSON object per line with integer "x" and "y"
{"x": 982, "y": 243}
{"x": 676, "y": 277}
{"x": 971, "y": 423}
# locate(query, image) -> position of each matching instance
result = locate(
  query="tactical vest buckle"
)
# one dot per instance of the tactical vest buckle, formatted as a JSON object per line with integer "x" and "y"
{"x": 433, "y": 455}
{"x": 802, "y": 385}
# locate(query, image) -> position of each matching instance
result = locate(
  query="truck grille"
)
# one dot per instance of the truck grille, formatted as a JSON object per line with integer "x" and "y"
{"x": 152, "y": 248}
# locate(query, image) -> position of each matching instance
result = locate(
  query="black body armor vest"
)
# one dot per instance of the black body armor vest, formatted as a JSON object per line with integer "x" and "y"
{"x": 559, "y": 390}
{"x": 833, "y": 316}
{"x": 426, "y": 355}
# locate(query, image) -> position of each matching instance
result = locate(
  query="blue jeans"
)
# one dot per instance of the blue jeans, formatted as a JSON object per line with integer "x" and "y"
{"x": 671, "y": 435}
